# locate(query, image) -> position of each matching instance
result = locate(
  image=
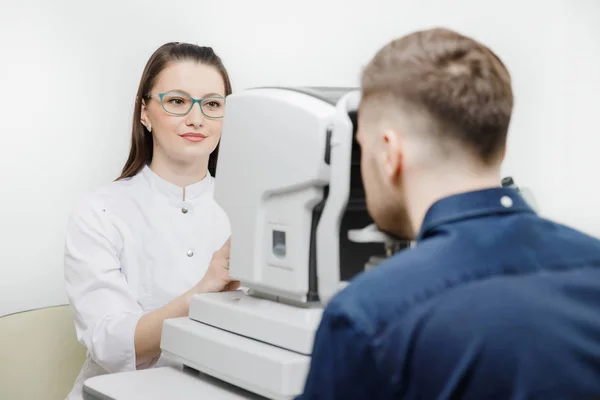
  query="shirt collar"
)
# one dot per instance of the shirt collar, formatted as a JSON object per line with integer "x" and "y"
{"x": 472, "y": 205}
{"x": 173, "y": 191}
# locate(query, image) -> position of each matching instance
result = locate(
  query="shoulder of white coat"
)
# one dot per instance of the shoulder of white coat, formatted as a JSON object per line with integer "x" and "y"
{"x": 104, "y": 197}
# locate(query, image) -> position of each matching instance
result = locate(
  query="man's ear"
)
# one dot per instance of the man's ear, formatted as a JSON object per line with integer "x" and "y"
{"x": 393, "y": 156}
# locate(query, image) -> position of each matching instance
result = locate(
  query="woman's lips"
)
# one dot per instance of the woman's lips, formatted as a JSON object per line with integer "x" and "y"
{"x": 193, "y": 137}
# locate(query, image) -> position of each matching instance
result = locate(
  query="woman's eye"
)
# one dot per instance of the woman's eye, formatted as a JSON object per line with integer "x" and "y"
{"x": 176, "y": 101}
{"x": 214, "y": 104}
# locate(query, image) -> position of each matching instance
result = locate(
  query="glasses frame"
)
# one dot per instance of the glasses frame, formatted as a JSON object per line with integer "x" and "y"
{"x": 194, "y": 101}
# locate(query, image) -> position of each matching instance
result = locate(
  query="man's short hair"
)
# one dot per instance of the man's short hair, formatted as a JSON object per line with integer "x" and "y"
{"x": 460, "y": 85}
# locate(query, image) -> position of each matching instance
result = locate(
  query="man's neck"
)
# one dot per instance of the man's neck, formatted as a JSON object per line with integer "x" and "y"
{"x": 430, "y": 187}
{"x": 180, "y": 174}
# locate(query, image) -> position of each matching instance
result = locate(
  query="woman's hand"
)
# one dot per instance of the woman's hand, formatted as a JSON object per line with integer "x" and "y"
{"x": 216, "y": 278}
{"x": 148, "y": 331}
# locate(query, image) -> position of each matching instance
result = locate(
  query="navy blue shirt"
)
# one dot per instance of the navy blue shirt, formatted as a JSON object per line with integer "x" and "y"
{"x": 494, "y": 302}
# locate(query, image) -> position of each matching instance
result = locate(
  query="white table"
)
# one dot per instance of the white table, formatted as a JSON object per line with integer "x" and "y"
{"x": 162, "y": 383}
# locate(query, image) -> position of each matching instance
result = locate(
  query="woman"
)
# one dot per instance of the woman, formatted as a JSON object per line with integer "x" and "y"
{"x": 139, "y": 248}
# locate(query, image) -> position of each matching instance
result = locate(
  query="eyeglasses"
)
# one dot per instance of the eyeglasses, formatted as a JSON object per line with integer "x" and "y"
{"x": 180, "y": 104}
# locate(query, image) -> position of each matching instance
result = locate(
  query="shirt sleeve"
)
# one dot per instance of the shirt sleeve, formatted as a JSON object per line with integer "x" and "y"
{"x": 105, "y": 310}
{"x": 342, "y": 362}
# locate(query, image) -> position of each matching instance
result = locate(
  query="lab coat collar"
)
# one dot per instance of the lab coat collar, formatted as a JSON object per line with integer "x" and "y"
{"x": 174, "y": 192}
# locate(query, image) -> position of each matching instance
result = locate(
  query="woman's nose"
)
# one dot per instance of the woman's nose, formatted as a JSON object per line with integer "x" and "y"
{"x": 195, "y": 116}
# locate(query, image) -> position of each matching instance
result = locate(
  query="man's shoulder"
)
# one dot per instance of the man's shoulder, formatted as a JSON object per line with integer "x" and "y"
{"x": 412, "y": 277}
{"x": 391, "y": 288}
{"x": 566, "y": 234}
{"x": 402, "y": 271}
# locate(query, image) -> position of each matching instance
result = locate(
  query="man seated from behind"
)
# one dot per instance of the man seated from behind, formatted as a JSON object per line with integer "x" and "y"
{"x": 494, "y": 302}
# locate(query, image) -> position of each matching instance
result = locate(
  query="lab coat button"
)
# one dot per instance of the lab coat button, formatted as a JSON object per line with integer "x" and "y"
{"x": 184, "y": 210}
{"x": 190, "y": 253}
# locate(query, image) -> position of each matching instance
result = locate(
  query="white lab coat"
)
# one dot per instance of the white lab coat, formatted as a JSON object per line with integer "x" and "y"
{"x": 131, "y": 247}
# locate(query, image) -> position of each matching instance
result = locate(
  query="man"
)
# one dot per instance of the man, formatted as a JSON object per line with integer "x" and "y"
{"x": 494, "y": 302}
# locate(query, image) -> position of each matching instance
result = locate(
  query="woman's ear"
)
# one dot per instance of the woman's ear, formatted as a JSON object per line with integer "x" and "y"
{"x": 144, "y": 117}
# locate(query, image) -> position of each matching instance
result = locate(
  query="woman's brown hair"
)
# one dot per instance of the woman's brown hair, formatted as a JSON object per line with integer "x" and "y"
{"x": 142, "y": 143}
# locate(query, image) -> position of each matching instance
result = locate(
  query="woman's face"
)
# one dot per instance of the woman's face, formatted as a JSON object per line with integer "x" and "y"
{"x": 189, "y": 138}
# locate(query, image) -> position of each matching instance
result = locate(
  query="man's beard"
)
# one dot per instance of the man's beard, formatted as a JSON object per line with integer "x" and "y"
{"x": 386, "y": 205}
{"x": 391, "y": 217}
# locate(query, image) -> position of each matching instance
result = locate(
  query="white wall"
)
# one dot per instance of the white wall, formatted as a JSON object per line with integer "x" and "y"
{"x": 69, "y": 71}
{"x": 579, "y": 141}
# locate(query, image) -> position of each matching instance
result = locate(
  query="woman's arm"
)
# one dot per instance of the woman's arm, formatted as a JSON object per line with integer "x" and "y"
{"x": 108, "y": 319}
{"x": 106, "y": 312}
{"x": 149, "y": 328}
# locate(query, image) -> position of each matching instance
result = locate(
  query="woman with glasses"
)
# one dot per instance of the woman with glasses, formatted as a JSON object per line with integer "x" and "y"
{"x": 138, "y": 248}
